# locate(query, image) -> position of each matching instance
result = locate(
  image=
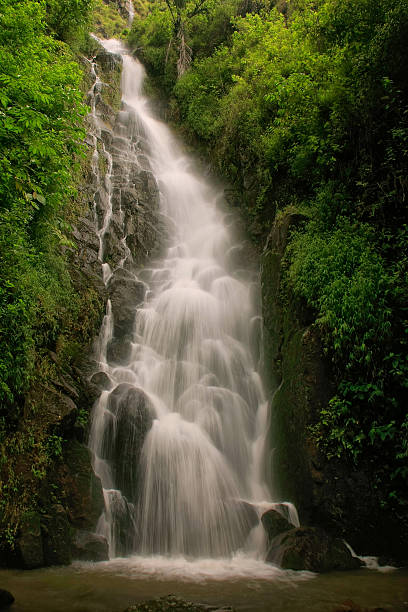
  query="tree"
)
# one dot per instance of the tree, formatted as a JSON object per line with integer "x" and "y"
{"x": 182, "y": 11}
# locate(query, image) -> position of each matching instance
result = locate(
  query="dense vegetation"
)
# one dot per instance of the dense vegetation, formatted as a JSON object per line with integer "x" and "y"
{"x": 304, "y": 104}
{"x": 42, "y": 156}
{"x": 41, "y": 130}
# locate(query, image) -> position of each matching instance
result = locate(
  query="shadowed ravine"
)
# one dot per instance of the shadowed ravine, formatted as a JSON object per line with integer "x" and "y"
{"x": 179, "y": 434}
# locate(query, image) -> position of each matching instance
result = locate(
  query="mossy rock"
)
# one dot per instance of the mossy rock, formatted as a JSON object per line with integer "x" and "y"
{"x": 171, "y": 603}
{"x": 311, "y": 549}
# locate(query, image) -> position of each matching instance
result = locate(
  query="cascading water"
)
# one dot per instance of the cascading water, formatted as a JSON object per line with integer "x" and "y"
{"x": 178, "y": 434}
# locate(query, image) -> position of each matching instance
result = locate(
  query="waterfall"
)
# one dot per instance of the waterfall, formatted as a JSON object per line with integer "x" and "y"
{"x": 179, "y": 431}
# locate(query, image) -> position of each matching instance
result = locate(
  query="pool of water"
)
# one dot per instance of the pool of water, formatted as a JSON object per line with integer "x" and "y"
{"x": 247, "y": 586}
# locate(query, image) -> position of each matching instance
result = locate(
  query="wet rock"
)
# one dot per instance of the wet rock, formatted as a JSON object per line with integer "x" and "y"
{"x": 106, "y": 136}
{"x": 81, "y": 488}
{"x": 123, "y": 444}
{"x": 126, "y": 294}
{"x": 89, "y": 546}
{"x": 141, "y": 232}
{"x": 119, "y": 350}
{"x": 175, "y": 604}
{"x": 56, "y": 536}
{"x": 274, "y": 524}
{"x": 85, "y": 234}
{"x": 93, "y": 386}
{"x": 62, "y": 410}
{"x": 67, "y": 385}
{"x": 108, "y": 61}
{"x": 114, "y": 249}
{"x": 86, "y": 268}
{"x": 6, "y": 599}
{"x": 124, "y": 526}
{"x": 29, "y": 544}
{"x": 101, "y": 205}
{"x": 312, "y": 549}
{"x": 100, "y": 380}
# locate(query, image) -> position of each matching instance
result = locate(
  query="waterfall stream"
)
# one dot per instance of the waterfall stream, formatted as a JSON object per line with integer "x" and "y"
{"x": 178, "y": 434}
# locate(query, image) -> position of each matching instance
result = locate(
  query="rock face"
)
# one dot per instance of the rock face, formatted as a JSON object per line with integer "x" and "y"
{"x": 329, "y": 494}
{"x": 125, "y": 293}
{"x": 312, "y": 549}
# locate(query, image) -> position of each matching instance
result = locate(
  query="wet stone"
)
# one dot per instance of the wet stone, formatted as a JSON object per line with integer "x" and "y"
{"x": 274, "y": 524}
{"x": 132, "y": 410}
{"x": 101, "y": 380}
{"x": 126, "y": 294}
{"x": 108, "y": 61}
{"x": 119, "y": 350}
{"x": 106, "y": 137}
{"x": 312, "y": 549}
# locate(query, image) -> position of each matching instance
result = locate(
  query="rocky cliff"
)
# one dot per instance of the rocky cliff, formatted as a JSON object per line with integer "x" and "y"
{"x": 328, "y": 493}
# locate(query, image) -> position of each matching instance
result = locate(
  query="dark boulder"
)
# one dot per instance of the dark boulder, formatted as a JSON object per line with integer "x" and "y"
{"x": 93, "y": 386}
{"x": 311, "y": 548}
{"x": 89, "y": 546}
{"x": 29, "y": 544}
{"x": 100, "y": 380}
{"x": 6, "y": 599}
{"x": 56, "y": 536}
{"x": 274, "y": 524}
{"x": 82, "y": 489}
{"x": 123, "y": 443}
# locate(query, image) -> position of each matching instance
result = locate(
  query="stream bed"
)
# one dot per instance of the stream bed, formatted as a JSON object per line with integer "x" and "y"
{"x": 243, "y": 584}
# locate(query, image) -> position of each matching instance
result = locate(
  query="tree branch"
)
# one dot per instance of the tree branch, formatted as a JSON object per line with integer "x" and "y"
{"x": 199, "y": 8}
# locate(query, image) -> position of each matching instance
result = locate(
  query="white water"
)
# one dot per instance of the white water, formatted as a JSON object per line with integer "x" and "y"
{"x": 191, "y": 374}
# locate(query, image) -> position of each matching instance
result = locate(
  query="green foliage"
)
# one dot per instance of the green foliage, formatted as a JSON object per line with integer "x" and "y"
{"x": 41, "y": 128}
{"x": 107, "y": 22}
{"x": 150, "y": 38}
{"x": 67, "y": 19}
